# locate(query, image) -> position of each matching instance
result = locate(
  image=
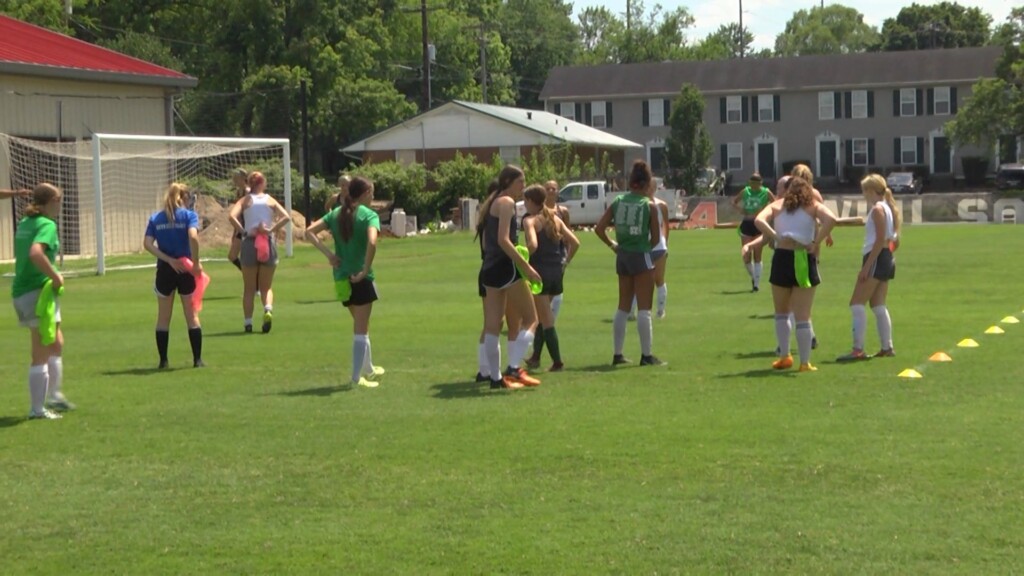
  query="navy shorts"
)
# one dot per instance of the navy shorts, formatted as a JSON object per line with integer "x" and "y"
{"x": 633, "y": 263}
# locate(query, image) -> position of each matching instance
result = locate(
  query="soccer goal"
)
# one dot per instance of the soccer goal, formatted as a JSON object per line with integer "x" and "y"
{"x": 113, "y": 183}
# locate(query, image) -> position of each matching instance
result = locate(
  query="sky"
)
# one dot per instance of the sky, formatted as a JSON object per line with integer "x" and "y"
{"x": 767, "y": 18}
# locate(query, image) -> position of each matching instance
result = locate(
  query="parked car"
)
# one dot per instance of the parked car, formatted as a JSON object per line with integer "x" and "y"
{"x": 904, "y": 183}
{"x": 1010, "y": 177}
{"x": 587, "y": 201}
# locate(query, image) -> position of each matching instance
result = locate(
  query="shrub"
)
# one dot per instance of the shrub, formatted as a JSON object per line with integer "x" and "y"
{"x": 405, "y": 185}
{"x": 461, "y": 177}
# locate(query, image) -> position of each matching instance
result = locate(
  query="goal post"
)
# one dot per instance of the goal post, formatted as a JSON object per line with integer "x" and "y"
{"x": 113, "y": 183}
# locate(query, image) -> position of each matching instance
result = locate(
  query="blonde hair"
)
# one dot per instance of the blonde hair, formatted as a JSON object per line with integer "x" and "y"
{"x": 172, "y": 198}
{"x": 536, "y": 194}
{"x": 42, "y": 194}
{"x": 876, "y": 184}
{"x": 803, "y": 171}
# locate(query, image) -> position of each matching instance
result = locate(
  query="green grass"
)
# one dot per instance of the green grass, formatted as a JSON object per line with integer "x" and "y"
{"x": 265, "y": 462}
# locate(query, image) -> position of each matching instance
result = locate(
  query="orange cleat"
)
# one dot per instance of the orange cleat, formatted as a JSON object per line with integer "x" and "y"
{"x": 783, "y": 363}
{"x": 520, "y": 376}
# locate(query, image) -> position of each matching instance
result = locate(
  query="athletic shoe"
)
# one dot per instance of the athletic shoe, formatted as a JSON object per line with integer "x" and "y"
{"x": 481, "y": 378}
{"x": 532, "y": 363}
{"x": 814, "y": 342}
{"x": 853, "y": 356}
{"x": 44, "y": 415}
{"x": 519, "y": 375}
{"x": 651, "y": 360}
{"x": 620, "y": 359}
{"x": 366, "y": 383}
{"x": 661, "y": 313}
{"x": 268, "y": 319}
{"x": 248, "y": 328}
{"x": 60, "y": 404}
{"x": 808, "y": 367}
{"x": 377, "y": 371}
{"x": 505, "y": 383}
{"x": 885, "y": 353}
{"x": 753, "y": 287}
{"x": 198, "y": 363}
{"x": 783, "y": 363}
{"x": 163, "y": 365}
{"x": 556, "y": 367}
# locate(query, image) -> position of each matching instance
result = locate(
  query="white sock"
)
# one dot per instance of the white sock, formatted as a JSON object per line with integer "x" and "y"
{"x": 750, "y": 269}
{"x": 803, "y": 341}
{"x": 481, "y": 359}
{"x": 248, "y": 321}
{"x": 268, "y": 308}
{"x": 646, "y": 331}
{"x": 619, "y": 330}
{"x": 56, "y": 371}
{"x": 556, "y": 306}
{"x": 38, "y": 380}
{"x": 662, "y": 292}
{"x": 860, "y": 325}
{"x": 519, "y": 348}
{"x": 758, "y": 266}
{"x": 492, "y": 347}
{"x": 368, "y": 358}
{"x": 632, "y": 307}
{"x": 884, "y": 323}
{"x": 359, "y": 345}
{"x": 783, "y": 330}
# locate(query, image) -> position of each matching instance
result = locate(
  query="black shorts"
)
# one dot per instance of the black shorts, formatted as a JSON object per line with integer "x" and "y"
{"x": 552, "y": 282}
{"x": 784, "y": 269}
{"x": 632, "y": 263}
{"x": 748, "y": 228}
{"x": 500, "y": 275}
{"x": 885, "y": 266}
{"x": 480, "y": 284}
{"x": 168, "y": 281}
{"x": 363, "y": 293}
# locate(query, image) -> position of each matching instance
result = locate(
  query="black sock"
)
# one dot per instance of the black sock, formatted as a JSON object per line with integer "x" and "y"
{"x": 538, "y": 343}
{"x": 237, "y": 262}
{"x": 195, "y": 337}
{"x": 162, "y": 337}
{"x": 552, "y": 338}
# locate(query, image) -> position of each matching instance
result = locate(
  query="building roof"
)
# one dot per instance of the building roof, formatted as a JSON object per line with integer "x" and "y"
{"x": 30, "y": 50}
{"x": 551, "y": 127}
{"x": 737, "y": 76}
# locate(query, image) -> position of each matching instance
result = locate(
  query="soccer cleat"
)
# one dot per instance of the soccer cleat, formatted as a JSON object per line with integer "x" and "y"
{"x": 268, "y": 319}
{"x": 481, "y": 378}
{"x": 885, "y": 353}
{"x": 783, "y": 363}
{"x": 44, "y": 414}
{"x": 651, "y": 360}
{"x": 248, "y": 328}
{"x": 556, "y": 367}
{"x": 198, "y": 363}
{"x": 376, "y": 371}
{"x": 532, "y": 363}
{"x": 163, "y": 365}
{"x": 853, "y": 356}
{"x": 519, "y": 375}
{"x": 619, "y": 359}
{"x": 60, "y": 404}
{"x": 814, "y": 342}
{"x": 753, "y": 286}
{"x": 505, "y": 384}
{"x": 366, "y": 383}
{"x": 808, "y": 367}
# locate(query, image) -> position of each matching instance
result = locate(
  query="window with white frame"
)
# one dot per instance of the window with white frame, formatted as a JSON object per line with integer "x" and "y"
{"x": 908, "y": 102}
{"x": 599, "y": 114}
{"x": 765, "y": 108}
{"x": 509, "y": 154}
{"x": 656, "y": 112}
{"x": 908, "y": 150}
{"x": 859, "y": 103}
{"x": 826, "y": 106}
{"x": 734, "y": 156}
{"x": 405, "y": 157}
{"x": 567, "y": 110}
{"x": 733, "y": 109}
{"x": 860, "y": 151}
{"x": 942, "y": 101}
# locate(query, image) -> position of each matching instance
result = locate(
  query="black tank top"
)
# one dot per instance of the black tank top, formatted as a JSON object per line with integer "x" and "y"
{"x": 493, "y": 254}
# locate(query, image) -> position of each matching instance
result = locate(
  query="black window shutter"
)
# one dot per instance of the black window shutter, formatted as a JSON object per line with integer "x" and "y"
{"x": 871, "y": 103}
{"x": 952, "y": 100}
{"x": 588, "y": 113}
{"x": 608, "y": 114}
{"x": 871, "y": 151}
{"x": 743, "y": 109}
{"x": 919, "y": 100}
{"x": 849, "y": 104}
{"x": 837, "y": 101}
{"x": 725, "y": 156}
{"x": 668, "y": 110}
{"x": 931, "y": 102}
{"x": 579, "y": 113}
{"x": 647, "y": 113}
{"x": 897, "y": 151}
{"x": 777, "y": 107}
{"x": 920, "y": 150}
{"x": 754, "y": 113}
{"x": 849, "y": 152}
{"x": 723, "y": 109}
{"x": 558, "y": 108}
{"x": 895, "y": 102}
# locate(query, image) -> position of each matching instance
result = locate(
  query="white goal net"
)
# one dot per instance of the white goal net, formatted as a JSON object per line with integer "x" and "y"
{"x": 113, "y": 183}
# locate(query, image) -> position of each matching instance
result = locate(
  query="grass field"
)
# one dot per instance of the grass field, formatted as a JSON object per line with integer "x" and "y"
{"x": 267, "y": 462}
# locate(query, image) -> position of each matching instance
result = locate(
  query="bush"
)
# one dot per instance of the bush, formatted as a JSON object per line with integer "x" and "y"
{"x": 405, "y": 185}
{"x": 461, "y": 177}
{"x": 975, "y": 168}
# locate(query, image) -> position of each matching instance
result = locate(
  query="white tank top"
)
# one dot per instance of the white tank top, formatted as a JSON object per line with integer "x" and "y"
{"x": 870, "y": 231}
{"x": 258, "y": 213}
{"x": 798, "y": 226}
{"x": 662, "y": 244}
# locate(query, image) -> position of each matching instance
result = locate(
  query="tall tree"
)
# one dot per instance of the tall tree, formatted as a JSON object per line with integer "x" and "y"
{"x": 653, "y": 36}
{"x": 600, "y": 31}
{"x": 539, "y": 35}
{"x": 943, "y": 25}
{"x": 726, "y": 42}
{"x": 834, "y": 29}
{"x": 688, "y": 147}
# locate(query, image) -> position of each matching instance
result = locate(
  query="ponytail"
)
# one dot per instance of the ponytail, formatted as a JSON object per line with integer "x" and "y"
{"x": 347, "y": 214}
{"x": 42, "y": 194}
{"x": 897, "y": 218}
{"x": 172, "y": 199}
{"x": 537, "y": 194}
{"x": 485, "y": 208}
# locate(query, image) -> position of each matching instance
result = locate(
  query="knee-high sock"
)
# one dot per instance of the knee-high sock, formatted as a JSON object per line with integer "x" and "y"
{"x": 757, "y": 273}
{"x": 662, "y": 292}
{"x": 783, "y": 330}
{"x": 519, "y": 348}
{"x": 162, "y": 338}
{"x": 481, "y": 360}
{"x": 803, "y": 341}
{"x": 359, "y": 345}
{"x": 556, "y": 306}
{"x": 632, "y": 307}
{"x": 538, "y": 342}
{"x": 750, "y": 269}
{"x": 553, "y": 347}
{"x": 55, "y": 367}
{"x": 368, "y": 358}
{"x": 884, "y": 323}
{"x": 38, "y": 380}
{"x": 195, "y": 339}
{"x": 860, "y": 325}
{"x": 619, "y": 330}
{"x": 492, "y": 347}
{"x": 644, "y": 328}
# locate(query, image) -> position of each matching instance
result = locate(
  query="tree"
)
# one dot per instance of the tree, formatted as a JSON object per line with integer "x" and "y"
{"x": 539, "y": 35}
{"x": 656, "y": 36}
{"x": 834, "y": 29}
{"x": 943, "y": 25}
{"x": 599, "y": 31}
{"x": 726, "y": 42}
{"x": 688, "y": 147}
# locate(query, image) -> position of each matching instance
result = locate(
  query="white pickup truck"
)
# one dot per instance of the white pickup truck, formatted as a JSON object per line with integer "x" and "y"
{"x": 587, "y": 201}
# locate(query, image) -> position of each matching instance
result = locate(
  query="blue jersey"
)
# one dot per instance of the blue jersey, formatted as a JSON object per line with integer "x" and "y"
{"x": 172, "y": 237}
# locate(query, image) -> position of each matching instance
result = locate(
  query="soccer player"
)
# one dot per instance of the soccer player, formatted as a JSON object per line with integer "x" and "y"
{"x": 36, "y": 244}
{"x": 239, "y": 178}
{"x": 336, "y": 199}
{"x": 354, "y": 226}
{"x": 173, "y": 234}
{"x": 551, "y": 201}
{"x": 751, "y": 200}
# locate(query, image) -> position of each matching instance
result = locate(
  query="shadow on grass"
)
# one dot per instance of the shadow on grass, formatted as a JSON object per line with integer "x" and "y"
{"x": 762, "y": 316}
{"x": 734, "y": 292}
{"x": 231, "y": 334}
{"x": 760, "y": 373}
{"x": 210, "y": 298}
{"x": 137, "y": 371}
{"x": 469, "y": 389}
{"x": 594, "y": 368}
{"x": 751, "y": 355}
{"x": 321, "y": 391}
{"x": 307, "y": 302}
{"x": 10, "y": 421}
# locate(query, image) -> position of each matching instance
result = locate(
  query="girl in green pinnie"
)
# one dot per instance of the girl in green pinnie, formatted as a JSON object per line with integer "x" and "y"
{"x": 751, "y": 200}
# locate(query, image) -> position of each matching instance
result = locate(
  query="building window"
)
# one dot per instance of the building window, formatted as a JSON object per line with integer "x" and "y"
{"x": 656, "y": 158}
{"x": 405, "y": 157}
{"x": 735, "y": 156}
{"x": 656, "y": 112}
{"x": 826, "y": 106}
{"x": 942, "y": 101}
{"x": 567, "y": 110}
{"x": 733, "y": 109}
{"x": 765, "y": 108}
{"x": 908, "y": 102}
{"x": 860, "y": 151}
{"x": 859, "y": 107}
{"x": 510, "y": 154}
{"x": 599, "y": 114}
{"x": 908, "y": 150}
{"x": 570, "y": 193}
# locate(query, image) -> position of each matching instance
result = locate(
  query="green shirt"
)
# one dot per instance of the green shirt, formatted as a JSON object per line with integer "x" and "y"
{"x": 631, "y": 214}
{"x": 32, "y": 230}
{"x": 353, "y": 252}
{"x": 753, "y": 202}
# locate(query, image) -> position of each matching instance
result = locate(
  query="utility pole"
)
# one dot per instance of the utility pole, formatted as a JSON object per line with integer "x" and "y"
{"x": 483, "y": 61}
{"x": 426, "y": 56}
{"x": 741, "y": 29}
